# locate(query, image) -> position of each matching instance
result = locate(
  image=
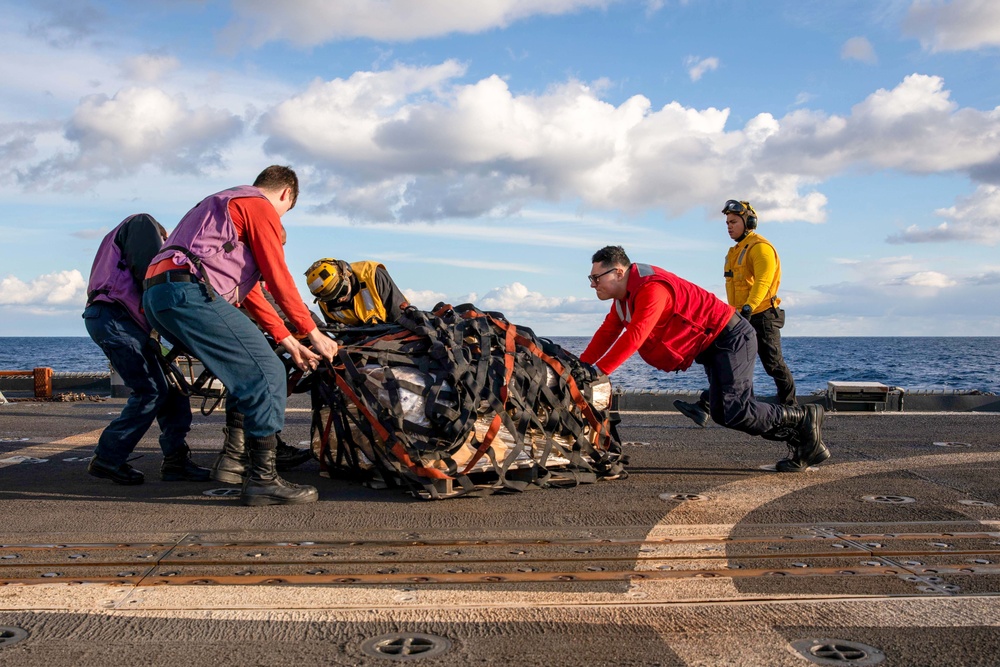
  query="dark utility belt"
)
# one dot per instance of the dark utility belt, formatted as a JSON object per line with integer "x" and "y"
{"x": 177, "y": 276}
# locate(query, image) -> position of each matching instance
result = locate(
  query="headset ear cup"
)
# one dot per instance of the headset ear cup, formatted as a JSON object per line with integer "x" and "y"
{"x": 751, "y": 221}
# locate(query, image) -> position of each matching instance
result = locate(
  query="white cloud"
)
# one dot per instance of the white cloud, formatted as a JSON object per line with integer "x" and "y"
{"x": 147, "y": 124}
{"x": 517, "y": 297}
{"x": 546, "y": 315}
{"x": 859, "y": 48}
{"x": 419, "y": 144}
{"x": 412, "y": 144}
{"x": 312, "y": 22}
{"x": 915, "y": 127}
{"x": 971, "y": 219}
{"x": 111, "y": 137}
{"x": 408, "y": 144}
{"x": 341, "y": 119}
{"x": 52, "y": 289}
{"x": 424, "y": 299}
{"x": 930, "y": 279}
{"x": 148, "y": 67}
{"x": 888, "y": 291}
{"x": 803, "y": 98}
{"x": 697, "y": 66}
{"x": 958, "y": 25}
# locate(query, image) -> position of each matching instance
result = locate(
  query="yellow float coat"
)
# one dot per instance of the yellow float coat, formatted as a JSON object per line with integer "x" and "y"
{"x": 753, "y": 274}
{"x": 366, "y": 306}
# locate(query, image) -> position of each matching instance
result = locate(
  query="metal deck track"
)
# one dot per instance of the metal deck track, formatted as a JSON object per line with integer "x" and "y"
{"x": 929, "y": 561}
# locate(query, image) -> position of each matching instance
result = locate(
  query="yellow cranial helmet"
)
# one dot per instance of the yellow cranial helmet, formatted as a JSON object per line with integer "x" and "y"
{"x": 744, "y": 210}
{"x": 329, "y": 279}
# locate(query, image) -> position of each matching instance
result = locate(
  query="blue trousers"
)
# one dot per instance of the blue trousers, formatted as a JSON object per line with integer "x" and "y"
{"x": 132, "y": 354}
{"x": 230, "y": 345}
{"x": 729, "y": 363}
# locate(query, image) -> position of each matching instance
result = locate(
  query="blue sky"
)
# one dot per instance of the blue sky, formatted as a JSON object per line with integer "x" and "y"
{"x": 483, "y": 150}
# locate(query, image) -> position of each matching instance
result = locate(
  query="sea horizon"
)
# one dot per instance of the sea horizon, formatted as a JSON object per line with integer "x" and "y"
{"x": 948, "y": 363}
{"x": 783, "y": 336}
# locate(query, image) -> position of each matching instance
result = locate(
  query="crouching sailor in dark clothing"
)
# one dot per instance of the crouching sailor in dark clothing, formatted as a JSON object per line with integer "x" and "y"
{"x": 213, "y": 261}
{"x": 672, "y": 323}
{"x": 115, "y": 321}
{"x": 355, "y": 294}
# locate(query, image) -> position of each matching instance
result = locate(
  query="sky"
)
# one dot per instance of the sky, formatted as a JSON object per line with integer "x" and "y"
{"x": 483, "y": 151}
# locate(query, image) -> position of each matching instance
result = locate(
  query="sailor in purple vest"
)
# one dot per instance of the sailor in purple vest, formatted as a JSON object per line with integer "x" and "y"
{"x": 213, "y": 262}
{"x": 115, "y": 321}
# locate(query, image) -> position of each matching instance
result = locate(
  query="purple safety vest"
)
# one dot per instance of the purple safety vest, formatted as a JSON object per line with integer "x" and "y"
{"x": 205, "y": 241}
{"x": 111, "y": 281}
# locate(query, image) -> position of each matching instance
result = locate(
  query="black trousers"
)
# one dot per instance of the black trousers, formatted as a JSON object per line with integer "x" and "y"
{"x": 768, "y": 327}
{"x": 729, "y": 363}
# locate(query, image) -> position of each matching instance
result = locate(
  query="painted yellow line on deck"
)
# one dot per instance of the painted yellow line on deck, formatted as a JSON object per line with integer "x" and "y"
{"x": 48, "y": 449}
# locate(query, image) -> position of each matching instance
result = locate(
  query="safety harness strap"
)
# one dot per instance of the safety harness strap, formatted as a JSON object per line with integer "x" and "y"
{"x": 194, "y": 259}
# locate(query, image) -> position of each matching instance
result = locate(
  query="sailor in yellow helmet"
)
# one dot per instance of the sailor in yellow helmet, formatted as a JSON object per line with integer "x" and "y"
{"x": 355, "y": 294}
{"x": 753, "y": 275}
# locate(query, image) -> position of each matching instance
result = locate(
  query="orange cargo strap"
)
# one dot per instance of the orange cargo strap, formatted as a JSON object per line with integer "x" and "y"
{"x": 574, "y": 391}
{"x": 508, "y": 364}
{"x": 380, "y": 430}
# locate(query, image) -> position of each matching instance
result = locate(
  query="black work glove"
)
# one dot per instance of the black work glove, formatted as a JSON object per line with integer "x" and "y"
{"x": 584, "y": 373}
{"x": 745, "y": 312}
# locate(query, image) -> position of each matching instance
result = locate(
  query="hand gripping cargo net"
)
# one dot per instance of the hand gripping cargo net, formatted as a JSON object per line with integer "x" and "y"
{"x": 461, "y": 401}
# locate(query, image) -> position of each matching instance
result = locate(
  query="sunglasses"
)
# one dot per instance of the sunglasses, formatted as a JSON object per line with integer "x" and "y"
{"x": 594, "y": 279}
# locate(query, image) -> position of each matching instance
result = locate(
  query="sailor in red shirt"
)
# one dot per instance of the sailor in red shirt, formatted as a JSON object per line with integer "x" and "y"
{"x": 211, "y": 263}
{"x": 672, "y": 323}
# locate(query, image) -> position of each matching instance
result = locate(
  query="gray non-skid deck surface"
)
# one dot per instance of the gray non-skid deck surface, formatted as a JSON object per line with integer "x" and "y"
{"x": 700, "y": 557}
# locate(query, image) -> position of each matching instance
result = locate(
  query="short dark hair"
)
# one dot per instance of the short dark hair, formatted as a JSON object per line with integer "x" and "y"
{"x": 612, "y": 255}
{"x": 277, "y": 177}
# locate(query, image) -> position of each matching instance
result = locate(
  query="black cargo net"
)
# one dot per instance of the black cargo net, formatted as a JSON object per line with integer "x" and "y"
{"x": 461, "y": 401}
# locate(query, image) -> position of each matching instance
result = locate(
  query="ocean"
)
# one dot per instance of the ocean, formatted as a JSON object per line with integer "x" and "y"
{"x": 917, "y": 363}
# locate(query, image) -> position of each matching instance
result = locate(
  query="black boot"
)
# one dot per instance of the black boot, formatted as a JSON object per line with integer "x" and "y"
{"x": 179, "y": 466}
{"x": 697, "y": 412}
{"x": 122, "y": 474}
{"x": 230, "y": 466}
{"x": 801, "y": 428}
{"x": 287, "y": 457}
{"x": 263, "y": 486}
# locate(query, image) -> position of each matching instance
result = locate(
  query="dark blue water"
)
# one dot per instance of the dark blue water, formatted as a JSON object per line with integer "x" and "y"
{"x": 911, "y": 363}
{"x": 61, "y": 354}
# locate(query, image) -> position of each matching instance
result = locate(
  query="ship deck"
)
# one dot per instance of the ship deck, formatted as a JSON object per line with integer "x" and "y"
{"x": 889, "y": 553}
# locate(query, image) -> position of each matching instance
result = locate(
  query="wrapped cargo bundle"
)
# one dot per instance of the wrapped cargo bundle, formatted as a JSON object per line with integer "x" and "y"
{"x": 460, "y": 401}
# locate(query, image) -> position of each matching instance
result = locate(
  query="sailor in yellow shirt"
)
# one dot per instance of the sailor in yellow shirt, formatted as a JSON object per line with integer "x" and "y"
{"x": 753, "y": 275}
{"x": 355, "y": 294}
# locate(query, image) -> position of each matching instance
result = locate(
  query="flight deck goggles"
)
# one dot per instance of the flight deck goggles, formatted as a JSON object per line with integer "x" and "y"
{"x": 733, "y": 206}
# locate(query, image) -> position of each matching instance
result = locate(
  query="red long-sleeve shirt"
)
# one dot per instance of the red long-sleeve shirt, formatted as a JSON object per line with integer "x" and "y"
{"x": 258, "y": 226}
{"x": 610, "y": 348}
